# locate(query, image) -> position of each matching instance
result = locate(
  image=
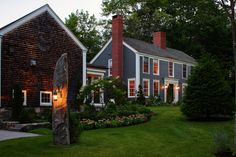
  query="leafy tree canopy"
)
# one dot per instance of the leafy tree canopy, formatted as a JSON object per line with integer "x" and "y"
{"x": 193, "y": 26}
{"x": 86, "y": 29}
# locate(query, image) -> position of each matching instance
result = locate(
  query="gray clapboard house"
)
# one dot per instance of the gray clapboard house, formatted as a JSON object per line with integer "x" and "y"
{"x": 152, "y": 65}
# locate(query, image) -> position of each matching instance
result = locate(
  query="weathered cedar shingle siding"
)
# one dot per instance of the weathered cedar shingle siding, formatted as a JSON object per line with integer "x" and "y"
{"x": 43, "y": 40}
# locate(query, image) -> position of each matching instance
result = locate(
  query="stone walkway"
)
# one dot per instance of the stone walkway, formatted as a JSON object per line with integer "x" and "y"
{"x": 6, "y": 135}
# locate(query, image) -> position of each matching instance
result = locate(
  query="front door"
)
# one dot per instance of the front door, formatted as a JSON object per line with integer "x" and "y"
{"x": 171, "y": 91}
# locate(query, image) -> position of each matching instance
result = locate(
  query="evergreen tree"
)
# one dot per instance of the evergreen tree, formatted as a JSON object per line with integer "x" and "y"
{"x": 208, "y": 94}
{"x": 140, "y": 96}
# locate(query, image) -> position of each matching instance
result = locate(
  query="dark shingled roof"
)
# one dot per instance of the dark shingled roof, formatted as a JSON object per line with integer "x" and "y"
{"x": 151, "y": 49}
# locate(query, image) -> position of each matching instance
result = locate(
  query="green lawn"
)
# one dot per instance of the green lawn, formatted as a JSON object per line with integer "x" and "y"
{"x": 168, "y": 134}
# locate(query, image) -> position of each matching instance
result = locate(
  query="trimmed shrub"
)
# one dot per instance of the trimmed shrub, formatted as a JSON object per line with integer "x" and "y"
{"x": 208, "y": 94}
{"x": 75, "y": 129}
{"x": 140, "y": 96}
{"x": 153, "y": 101}
{"x": 27, "y": 116}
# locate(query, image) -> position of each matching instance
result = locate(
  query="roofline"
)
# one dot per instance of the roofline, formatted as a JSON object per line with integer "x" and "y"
{"x": 139, "y": 53}
{"x": 30, "y": 16}
{"x": 100, "y": 52}
{"x": 153, "y": 56}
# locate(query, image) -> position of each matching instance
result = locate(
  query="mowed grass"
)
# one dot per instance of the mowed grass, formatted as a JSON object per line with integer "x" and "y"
{"x": 168, "y": 134}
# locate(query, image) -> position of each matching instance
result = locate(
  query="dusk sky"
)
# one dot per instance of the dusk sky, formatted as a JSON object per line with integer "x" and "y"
{"x": 13, "y": 9}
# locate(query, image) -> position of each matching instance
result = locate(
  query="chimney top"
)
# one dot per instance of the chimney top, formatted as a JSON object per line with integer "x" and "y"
{"x": 159, "y": 39}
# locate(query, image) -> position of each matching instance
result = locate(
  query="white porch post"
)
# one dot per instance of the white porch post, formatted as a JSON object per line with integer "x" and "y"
{"x": 0, "y": 70}
{"x": 84, "y": 67}
{"x": 137, "y": 71}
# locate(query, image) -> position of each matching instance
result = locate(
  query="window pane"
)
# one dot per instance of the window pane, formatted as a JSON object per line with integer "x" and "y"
{"x": 170, "y": 68}
{"x": 131, "y": 88}
{"x": 156, "y": 88}
{"x": 155, "y": 66}
{"x": 145, "y": 87}
{"x": 184, "y": 70}
{"x": 110, "y": 67}
{"x": 146, "y": 65}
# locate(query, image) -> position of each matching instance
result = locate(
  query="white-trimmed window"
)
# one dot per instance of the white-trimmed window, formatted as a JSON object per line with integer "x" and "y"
{"x": 146, "y": 65}
{"x": 45, "y": 98}
{"x": 24, "y": 95}
{"x": 131, "y": 88}
{"x": 155, "y": 66}
{"x": 184, "y": 71}
{"x": 171, "y": 69}
{"x": 156, "y": 88}
{"x": 146, "y": 87}
{"x": 184, "y": 85}
{"x": 109, "y": 67}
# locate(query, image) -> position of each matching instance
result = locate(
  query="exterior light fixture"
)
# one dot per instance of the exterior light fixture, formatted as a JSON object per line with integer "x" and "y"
{"x": 177, "y": 87}
{"x": 55, "y": 95}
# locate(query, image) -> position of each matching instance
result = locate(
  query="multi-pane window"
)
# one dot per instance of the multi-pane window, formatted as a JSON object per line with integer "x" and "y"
{"x": 171, "y": 69}
{"x": 45, "y": 98}
{"x": 131, "y": 88}
{"x": 184, "y": 70}
{"x": 110, "y": 67}
{"x": 145, "y": 64}
{"x": 155, "y": 67}
{"x": 146, "y": 88}
{"x": 156, "y": 88}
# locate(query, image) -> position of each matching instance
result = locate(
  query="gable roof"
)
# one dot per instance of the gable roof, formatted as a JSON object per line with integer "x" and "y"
{"x": 151, "y": 49}
{"x": 35, "y": 13}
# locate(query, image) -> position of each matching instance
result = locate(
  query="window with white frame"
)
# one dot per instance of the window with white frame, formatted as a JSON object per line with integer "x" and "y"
{"x": 171, "y": 69}
{"x": 184, "y": 85}
{"x": 156, "y": 87}
{"x": 24, "y": 95}
{"x": 110, "y": 67}
{"x": 145, "y": 65}
{"x": 156, "y": 67}
{"x": 184, "y": 71}
{"x": 45, "y": 98}
{"x": 146, "y": 87}
{"x": 131, "y": 88}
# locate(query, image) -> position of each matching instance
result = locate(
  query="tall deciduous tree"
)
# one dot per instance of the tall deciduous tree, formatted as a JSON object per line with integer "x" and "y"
{"x": 86, "y": 29}
{"x": 193, "y": 26}
{"x": 229, "y": 7}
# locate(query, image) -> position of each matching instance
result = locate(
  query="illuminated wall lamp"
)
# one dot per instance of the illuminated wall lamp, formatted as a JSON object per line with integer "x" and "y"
{"x": 177, "y": 88}
{"x": 54, "y": 96}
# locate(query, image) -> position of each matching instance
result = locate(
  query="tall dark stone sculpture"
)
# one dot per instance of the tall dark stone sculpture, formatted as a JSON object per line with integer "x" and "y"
{"x": 60, "y": 111}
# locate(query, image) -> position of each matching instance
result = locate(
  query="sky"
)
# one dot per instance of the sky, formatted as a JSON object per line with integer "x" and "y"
{"x": 11, "y": 10}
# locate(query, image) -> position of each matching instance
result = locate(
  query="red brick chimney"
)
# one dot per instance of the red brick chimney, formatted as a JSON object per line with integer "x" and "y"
{"x": 117, "y": 46}
{"x": 159, "y": 39}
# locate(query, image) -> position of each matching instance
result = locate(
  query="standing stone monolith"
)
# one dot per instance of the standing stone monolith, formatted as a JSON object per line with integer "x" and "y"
{"x": 60, "y": 110}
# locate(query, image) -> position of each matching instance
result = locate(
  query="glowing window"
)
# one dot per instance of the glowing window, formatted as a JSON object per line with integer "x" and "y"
{"x": 45, "y": 98}
{"x": 131, "y": 88}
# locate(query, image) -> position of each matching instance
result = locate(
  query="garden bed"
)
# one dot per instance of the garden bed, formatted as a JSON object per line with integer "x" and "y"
{"x": 88, "y": 124}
